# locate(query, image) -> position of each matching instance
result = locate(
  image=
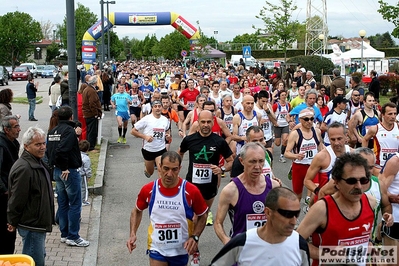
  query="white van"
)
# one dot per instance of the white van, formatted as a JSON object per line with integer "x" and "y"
{"x": 249, "y": 62}
{"x": 32, "y": 68}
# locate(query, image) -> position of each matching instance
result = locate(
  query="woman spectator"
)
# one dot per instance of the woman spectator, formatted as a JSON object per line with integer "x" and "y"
{"x": 81, "y": 119}
{"x": 107, "y": 80}
{"x": 5, "y": 103}
{"x": 322, "y": 105}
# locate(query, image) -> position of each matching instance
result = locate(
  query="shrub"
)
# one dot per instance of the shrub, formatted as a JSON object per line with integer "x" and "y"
{"x": 315, "y": 64}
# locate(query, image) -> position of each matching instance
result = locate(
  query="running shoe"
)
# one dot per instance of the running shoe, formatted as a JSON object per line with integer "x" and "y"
{"x": 124, "y": 140}
{"x": 85, "y": 203}
{"x": 195, "y": 261}
{"x": 63, "y": 239}
{"x": 80, "y": 242}
{"x": 119, "y": 140}
{"x": 307, "y": 200}
{"x": 282, "y": 160}
{"x": 147, "y": 174}
{"x": 209, "y": 220}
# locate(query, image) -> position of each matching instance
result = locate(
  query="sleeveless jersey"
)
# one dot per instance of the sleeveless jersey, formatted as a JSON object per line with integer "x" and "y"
{"x": 135, "y": 99}
{"x": 352, "y": 108}
{"x": 385, "y": 143}
{"x": 216, "y": 128}
{"x": 245, "y": 124}
{"x": 394, "y": 189}
{"x": 367, "y": 122}
{"x": 249, "y": 210}
{"x": 266, "y": 125}
{"x": 375, "y": 191}
{"x": 171, "y": 222}
{"x": 340, "y": 231}
{"x": 281, "y": 112}
{"x": 306, "y": 146}
{"x": 235, "y": 100}
{"x": 325, "y": 174}
{"x": 195, "y": 115}
{"x": 228, "y": 118}
{"x": 218, "y": 100}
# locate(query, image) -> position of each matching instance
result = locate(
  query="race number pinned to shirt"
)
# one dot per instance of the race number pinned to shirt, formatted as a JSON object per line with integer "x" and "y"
{"x": 190, "y": 105}
{"x": 168, "y": 235}
{"x": 158, "y": 133}
{"x": 202, "y": 173}
{"x": 255, "y": 220}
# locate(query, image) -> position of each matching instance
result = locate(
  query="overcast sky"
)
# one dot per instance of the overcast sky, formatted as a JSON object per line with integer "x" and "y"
{"x": 229, "y": 18}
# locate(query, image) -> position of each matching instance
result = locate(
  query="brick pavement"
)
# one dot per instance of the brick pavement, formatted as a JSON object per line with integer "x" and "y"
{"x": 60, "y": 254}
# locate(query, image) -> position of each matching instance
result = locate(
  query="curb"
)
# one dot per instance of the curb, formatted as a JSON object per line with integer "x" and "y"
{"x": 97, "y": 188}
{"x": 90, "y": 255}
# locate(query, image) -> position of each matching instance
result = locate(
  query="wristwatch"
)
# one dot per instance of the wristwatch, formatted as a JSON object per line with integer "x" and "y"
{"x": 196, "y": 238}
{"x": 223, "y": 169}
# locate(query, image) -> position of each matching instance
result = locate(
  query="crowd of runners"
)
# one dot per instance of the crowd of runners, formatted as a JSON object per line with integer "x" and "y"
{"x": 233, "y": 121}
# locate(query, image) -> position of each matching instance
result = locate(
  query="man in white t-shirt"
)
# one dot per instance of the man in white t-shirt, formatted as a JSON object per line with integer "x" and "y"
{"x": 154, "y": 129}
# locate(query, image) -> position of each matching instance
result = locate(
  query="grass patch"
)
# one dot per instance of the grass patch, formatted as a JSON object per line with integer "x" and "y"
{"x": 94, "y": 156}
{"x": 24, "y": 100}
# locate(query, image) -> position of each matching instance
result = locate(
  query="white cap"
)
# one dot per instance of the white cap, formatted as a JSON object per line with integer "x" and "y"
{"x": 164, "y": 91}
{"x": 303, "y": 70}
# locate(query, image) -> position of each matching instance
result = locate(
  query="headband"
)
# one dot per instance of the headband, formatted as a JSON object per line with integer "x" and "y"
{"x": 306, "y": 114}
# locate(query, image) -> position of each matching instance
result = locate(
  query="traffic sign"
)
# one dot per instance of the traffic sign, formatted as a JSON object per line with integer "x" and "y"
{"x": 183, "y": 53}
{"x": 246, "y": 51}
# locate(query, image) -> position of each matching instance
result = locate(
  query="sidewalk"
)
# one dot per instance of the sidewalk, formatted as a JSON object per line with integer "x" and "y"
{"x": 60, "y": 254}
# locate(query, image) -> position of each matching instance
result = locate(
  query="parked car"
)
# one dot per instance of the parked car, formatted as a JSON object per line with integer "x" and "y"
{"x": 40, "y": 68}
{"x": 9, "y": 69}
{"x": 3, "y": 76}
{"x": 49, "y": 71}
{"x": 32, "y": 68}
{"x": 21, "y": 73}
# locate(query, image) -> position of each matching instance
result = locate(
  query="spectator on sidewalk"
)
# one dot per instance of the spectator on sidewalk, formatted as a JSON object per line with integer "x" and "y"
{"x": 9, "y": 148}
{"x": 63, "y": 153}
{"x": 31, "y": 89}
{"x": 91, "y": 107}
{"x": 31, "y": 198}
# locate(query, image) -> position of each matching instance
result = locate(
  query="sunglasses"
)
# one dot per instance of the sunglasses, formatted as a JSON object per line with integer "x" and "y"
{"x": 352, "y": 180}
{"x": 307, "y": 119}
{"x": 213, "y": 110}
{"x": 289, "y": 214}
{"x": 356, "y": 95}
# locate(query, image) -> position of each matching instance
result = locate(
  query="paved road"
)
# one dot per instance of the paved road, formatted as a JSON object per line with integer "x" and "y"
{"x": 122, "y": 181}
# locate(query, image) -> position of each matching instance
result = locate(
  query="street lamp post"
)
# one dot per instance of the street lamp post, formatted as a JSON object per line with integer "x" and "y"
{"x": 362, "y": 33}
{"x": 109, "y": 49}
{"x": 38, "y": 54}
{"x": 321, "y": 38}
{"x": 215, "y": 32}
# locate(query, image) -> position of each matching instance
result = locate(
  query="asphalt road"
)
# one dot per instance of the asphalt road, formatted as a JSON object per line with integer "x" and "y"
{"x": 123, "y": 179}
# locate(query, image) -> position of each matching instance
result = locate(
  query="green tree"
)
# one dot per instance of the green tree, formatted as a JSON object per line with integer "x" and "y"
{"x": 17, "y": 33}
{"x": 390, "y": 13}
{"x": 172, "y": 44}
{"x": 84, "y": 19}
{"x": 53, "y": 50}
{"x": 381, "y": 40}
{"x": 279, "y": 27}
{"x": 246, "y": 38}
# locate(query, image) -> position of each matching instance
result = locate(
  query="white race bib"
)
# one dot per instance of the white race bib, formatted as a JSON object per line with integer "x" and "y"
{"x": 168, "y": 235}
{"x": 255, "y": 220}
{"x": 202, "y": 173}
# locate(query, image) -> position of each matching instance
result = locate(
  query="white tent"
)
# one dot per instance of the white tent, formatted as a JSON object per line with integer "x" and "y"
{"x": 368, "y": 52}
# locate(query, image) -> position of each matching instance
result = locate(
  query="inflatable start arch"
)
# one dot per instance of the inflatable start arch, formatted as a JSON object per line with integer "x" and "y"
{"x": 133, "y": 19}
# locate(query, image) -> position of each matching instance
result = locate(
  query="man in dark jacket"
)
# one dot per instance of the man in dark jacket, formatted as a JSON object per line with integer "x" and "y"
{"x": 91, "y": 107}
{"x": 9, "y": 148}
{"x": 31, "y": 196}
{"x": 63, "y": 153}
{"x": 337, "y": 82}
{"x": 31, "y": 89}
{"x": 374, "y": 85}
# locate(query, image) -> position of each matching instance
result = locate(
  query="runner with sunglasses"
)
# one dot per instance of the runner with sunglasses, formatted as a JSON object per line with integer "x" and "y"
{"x": 303, "y": 145}
{"x": 346, "y": 215}
{"x": 263, "y": 245}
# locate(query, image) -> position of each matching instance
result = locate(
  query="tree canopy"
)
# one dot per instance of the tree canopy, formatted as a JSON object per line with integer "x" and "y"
{"x": 279, "y": 28}
{"x": 390, "y": 13}
{"x": 84, "y": 19}
{"x": 17, "y": 33}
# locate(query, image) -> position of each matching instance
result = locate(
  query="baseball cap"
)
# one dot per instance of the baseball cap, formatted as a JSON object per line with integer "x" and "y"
{"x": 302, "y": 70}
{"x": 164, "y": 91}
